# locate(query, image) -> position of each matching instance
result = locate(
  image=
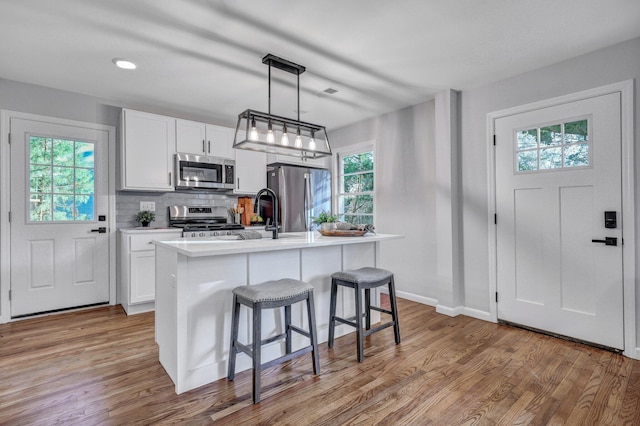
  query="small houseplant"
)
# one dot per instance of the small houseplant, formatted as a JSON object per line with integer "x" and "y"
{"x": 145, "y": 217}
{"x": 326, "y": 221}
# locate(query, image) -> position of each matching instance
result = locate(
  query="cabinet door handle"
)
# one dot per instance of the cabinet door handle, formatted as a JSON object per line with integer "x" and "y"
{"x": 169, "y": 178}
{"x": 209, "y": 150}
{"x": 238, "y": 186}
{"x": 203, "y": 150}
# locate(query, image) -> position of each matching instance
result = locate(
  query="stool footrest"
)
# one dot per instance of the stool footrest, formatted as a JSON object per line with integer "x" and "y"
{"x": 378, "y": 328}
{"x": 299, "y": 330}
{"x": 273, "y": 338}
{"x": 384, "y": 311}
{"x": 286, "y": 357}
{"x": 243, "y": 348}
{"x": 344, "y": 321}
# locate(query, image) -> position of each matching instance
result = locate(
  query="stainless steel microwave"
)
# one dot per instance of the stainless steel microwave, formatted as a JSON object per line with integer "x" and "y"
{"x": 204, "y": 172}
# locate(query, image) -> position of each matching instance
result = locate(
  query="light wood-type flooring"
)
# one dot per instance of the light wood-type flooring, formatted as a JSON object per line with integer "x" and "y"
{"x": 101, "y": 367}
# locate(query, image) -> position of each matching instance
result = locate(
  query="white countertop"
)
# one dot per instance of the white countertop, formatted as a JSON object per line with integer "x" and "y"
{"x": 148, "y": 230}
{"x": 287, "y": 241}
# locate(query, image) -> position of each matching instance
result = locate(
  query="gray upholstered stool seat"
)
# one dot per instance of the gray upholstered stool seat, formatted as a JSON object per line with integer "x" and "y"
{"x": 363, "y": 279}
{"x": 270, "y": 295}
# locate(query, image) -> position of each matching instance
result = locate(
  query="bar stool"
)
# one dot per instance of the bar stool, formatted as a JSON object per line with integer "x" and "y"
{"x": 363, "y": 279}
{"x": 269, "y": 295}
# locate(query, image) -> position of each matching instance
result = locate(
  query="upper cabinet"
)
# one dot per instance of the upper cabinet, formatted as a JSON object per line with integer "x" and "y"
{"x": 251, "y": 171}
{"x": 197, "y": 138}
{"x": 148, "y": 143}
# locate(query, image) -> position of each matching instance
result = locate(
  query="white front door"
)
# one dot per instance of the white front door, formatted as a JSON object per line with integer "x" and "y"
{"x": 558, "y": 170}
{"x": 59, "y": 202}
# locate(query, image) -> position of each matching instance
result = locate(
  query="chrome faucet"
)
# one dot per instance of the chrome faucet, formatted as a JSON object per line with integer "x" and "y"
{"x": 256, "y": 208}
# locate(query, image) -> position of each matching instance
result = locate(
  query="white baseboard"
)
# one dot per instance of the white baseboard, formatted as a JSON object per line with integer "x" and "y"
{"x": 445, "y": 310}
{"x": 474, "y": 313}
{"x": 415, "y": 298}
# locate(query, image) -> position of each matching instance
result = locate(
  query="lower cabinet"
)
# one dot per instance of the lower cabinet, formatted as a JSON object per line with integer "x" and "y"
{"x": 137, "y": 288}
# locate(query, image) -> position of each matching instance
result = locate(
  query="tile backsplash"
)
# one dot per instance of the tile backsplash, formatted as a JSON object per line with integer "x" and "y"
{"x": 128, "y": 205}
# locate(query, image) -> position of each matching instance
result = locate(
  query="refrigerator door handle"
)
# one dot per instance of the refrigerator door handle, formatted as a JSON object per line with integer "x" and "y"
{"x": 307, "y": 201}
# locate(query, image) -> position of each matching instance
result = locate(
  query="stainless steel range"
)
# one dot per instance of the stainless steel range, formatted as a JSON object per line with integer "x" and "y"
{"x": 199, "y": 221}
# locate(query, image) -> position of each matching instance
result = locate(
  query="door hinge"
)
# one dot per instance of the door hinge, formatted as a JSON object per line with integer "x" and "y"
{"x": 9, "y": 216}
{"x": 9, "y": 294}
{"x": 495, "y": 218}
{"x": 496, "y": 297}
{"x": 494, "y": 140}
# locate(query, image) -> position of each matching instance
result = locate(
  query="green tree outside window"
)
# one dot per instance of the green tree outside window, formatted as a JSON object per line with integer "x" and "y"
{"x": 61, "y": 180}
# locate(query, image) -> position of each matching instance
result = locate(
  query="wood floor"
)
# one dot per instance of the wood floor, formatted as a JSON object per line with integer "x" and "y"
{"x": 101, "y": 367}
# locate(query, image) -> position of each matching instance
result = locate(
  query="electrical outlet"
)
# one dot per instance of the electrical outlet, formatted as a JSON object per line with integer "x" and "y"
{"x": 148, "y": 205}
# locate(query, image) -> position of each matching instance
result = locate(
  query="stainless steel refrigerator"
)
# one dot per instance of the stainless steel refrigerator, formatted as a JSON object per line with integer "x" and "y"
{"x": 303, "y": 192}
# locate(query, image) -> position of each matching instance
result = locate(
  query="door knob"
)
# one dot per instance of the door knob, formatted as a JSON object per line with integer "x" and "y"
{"x": 101, "y": 230}
{"x": 609, "y": 241}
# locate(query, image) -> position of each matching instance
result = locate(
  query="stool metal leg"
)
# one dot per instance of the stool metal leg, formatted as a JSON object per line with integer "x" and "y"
{"x": 367, "y": 308}
{"x": 394, "y": 310}
{"x": 287, "y": 327}
{"x": 313, "y": 335}
{"x": 358, "y": 319}
{"x": 332, "y": 312}
{"x": 233, "y": 350}
{"x": 257, "y": 342}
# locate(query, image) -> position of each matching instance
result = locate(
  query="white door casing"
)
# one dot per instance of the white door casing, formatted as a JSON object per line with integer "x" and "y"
{"x": 59, "y": 265}
{"x": 551, "y": 276}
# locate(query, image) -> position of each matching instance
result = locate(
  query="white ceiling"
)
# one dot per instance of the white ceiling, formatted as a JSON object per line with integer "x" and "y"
{"x": 202, "y": 58}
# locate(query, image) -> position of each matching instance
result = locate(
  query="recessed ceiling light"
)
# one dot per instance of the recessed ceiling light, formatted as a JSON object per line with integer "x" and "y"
{"x": 124, "y": 64}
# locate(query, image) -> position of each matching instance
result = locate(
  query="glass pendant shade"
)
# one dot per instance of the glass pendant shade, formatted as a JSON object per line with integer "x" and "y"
{"x": 270, "y": 137}
{"x": 285, "y": 136}
{"x": 253, "y": 133}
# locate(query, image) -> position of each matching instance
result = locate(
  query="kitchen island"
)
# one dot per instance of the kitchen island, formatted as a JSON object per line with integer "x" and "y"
{"x": 194, "y": 279}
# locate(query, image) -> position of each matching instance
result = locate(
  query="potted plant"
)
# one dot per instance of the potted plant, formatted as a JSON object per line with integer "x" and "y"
{"x": 145, "y": 217}
{"x": 326, "y": 220}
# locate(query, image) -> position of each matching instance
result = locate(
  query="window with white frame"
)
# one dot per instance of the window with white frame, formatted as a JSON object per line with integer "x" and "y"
{"x": 355, "y": 189}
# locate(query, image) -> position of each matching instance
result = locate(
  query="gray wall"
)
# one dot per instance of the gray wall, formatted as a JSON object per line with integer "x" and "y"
{"x": 614, "y": 64}
{"x": 406, "y": 164}
{"x": 405, "y": 192}
{"x": 33, "y": 99}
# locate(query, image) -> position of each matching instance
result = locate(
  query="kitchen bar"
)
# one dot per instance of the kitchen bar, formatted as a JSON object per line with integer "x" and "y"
{"x": 194, "y": 279}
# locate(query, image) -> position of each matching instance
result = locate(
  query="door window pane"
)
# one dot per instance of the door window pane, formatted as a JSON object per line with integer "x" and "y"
{"x": 527, "y": 139}
{"x": 528, "y": 160}
{"x": 576, "y": 155}
{"x": 551, "y": 158}
{"x": 61, "y": 180}
{"x": 576, "y": 131}
{"x": 542, "y": 148}
{"x": 551, "y": 135}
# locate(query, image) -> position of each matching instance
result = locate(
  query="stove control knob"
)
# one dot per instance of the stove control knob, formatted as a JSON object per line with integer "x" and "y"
{"x": 201, "y": 234}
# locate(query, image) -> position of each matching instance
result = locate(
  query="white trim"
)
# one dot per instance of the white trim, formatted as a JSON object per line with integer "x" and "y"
{"x": 626, "y": 90}
{"x": 5, "y": 201}
{"x": 448, "y": 311}
{"x": 416, "y": 298}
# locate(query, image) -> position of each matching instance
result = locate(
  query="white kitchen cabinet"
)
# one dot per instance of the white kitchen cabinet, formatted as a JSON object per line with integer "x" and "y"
{"x": 251, "y": 171}
{"x": 148, "y": 143}
{"x": 323, "y": 162}
{"x": 193, "y": 137}
{"x": 137, "y": 289}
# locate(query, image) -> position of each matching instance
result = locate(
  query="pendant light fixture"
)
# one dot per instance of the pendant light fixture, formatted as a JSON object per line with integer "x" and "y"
{"x": 256, "y": 130}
